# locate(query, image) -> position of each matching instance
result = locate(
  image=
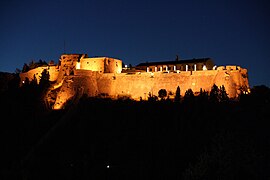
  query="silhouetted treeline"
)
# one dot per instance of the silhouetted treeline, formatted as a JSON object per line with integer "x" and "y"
{"x": 192, "y": 137}
{"x": 32, "y": 65}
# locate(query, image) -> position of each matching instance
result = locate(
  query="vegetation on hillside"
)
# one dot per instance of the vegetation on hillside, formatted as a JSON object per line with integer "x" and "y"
{"x": 207, "y": 136}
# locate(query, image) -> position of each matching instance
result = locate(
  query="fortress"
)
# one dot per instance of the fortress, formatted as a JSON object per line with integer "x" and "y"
{"x": 77, "y": 74}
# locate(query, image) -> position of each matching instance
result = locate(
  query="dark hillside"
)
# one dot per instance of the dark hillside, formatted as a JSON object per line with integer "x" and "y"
{"x": 156, "y": 140}
{"x": 196, "y": 138}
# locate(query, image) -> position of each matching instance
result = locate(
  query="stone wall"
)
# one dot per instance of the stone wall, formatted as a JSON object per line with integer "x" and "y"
{"x": 73, "y": 86}
{"x": 101, "y": 64}
{"x": 140, "y": 85}
{"x": 53, "y": 72}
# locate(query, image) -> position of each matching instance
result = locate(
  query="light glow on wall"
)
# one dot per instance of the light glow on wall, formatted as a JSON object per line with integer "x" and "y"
{"x": 204, "y": 67}
{"x": 78, "y": 65}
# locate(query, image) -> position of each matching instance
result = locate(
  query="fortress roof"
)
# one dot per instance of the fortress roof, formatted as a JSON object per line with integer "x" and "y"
{"x": 187, "y": 61}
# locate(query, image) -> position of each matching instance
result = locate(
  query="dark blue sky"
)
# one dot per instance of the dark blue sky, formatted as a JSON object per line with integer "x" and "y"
{"x": 231, "y": 32}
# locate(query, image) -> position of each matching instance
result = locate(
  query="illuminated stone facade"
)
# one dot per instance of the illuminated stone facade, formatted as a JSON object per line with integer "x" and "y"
{"x": 180, "y": 65}
{"x": 53, "y": 71}
{"x": 102, "y": 76}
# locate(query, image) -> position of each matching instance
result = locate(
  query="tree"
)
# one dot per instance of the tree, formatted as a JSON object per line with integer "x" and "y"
{"x": 223, "y": 96}
{"x": 26, "y": 82}
{"x": 152, "y": 98}
{"x": 218, "y": 94}
{"x": 177, "y": 95}
{"x": 214, "y": 94}
{"x": 14, "y": 83}
{"x": 42, "y": 63}
{"x": 260, "y": 94}
{"x": 162, "y": 93}
{"x": 30, "y": 90}
{"x": 33, "y": 88}
{"x": 34, "y": 83}
{"x": 203, "y": 96}
{"x": 25, "y": 68}
{"x": 243, "y": 90}
{"x": 18, "y": 71}
{"x": 189, "y": 95}
{"x": 32, "y": 64}
{"x": 44, "y": 82}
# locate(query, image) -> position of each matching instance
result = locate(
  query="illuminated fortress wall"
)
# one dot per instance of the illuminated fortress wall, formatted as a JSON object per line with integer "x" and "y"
{"x": 78, "y": 74}
{"x": 139, "y": 85}
{"x": 74, "y": 86}
{"x": 53, "y": 71}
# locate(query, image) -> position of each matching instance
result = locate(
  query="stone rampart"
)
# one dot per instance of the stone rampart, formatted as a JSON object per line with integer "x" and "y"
{"x": 53, "y": 72}
{"x": 140, "y": 85}
{"x": 72, "y": 85}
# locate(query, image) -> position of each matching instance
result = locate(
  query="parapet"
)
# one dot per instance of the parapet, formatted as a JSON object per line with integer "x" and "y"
{"x": 229, "y": 68}
{"x": 220, "y": 68}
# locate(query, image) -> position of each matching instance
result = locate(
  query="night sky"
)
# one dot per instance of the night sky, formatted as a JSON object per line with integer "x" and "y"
{"x": 231, "y": 32}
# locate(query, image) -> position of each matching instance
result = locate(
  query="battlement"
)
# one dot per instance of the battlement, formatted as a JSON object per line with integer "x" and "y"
{"x": 229, "y": 68}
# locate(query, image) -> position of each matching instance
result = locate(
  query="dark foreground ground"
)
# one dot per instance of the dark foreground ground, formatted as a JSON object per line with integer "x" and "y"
{"x": 123, "y": 139}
